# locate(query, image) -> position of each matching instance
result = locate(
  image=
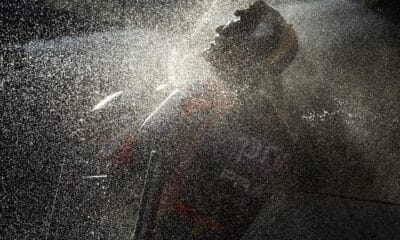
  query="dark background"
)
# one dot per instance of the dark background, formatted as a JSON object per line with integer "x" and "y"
{"x": 27, "y": 20}
{"x": 32, "y": 133}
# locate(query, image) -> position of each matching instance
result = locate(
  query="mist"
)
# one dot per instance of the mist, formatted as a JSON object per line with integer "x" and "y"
{"x": 342, "y": 90}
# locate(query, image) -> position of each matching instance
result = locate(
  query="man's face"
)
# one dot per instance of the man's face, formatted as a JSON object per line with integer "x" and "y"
{"x": 241, "y": 41}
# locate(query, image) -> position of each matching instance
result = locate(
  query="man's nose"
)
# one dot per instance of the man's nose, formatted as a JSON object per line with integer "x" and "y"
{"x": 219, "y": 29}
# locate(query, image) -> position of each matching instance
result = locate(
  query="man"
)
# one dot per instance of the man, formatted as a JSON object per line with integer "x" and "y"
{"x": 215, "y": 149}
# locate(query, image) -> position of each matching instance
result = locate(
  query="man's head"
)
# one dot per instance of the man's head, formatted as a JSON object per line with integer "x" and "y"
{"x": 257, "y": 40}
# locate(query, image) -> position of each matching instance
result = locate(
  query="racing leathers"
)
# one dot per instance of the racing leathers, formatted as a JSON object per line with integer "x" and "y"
{"x": 217, "y": 157}
{"x": 214, "y": 149}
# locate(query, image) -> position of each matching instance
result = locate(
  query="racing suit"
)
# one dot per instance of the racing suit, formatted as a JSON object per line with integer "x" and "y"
{"x": 213, "y": 150}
